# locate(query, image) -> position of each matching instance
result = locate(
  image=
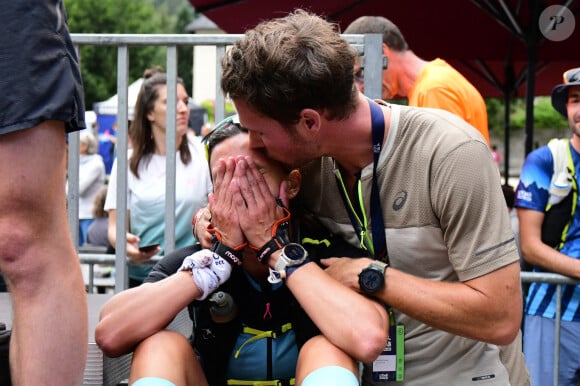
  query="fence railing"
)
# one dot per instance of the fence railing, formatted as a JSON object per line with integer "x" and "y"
{"x": 526, "y": 277}
{"x": 560, "y": 281}
{"x": 367, "y": 45}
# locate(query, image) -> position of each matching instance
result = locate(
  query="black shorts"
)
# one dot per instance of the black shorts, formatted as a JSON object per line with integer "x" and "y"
{"x": 40, "y": 76}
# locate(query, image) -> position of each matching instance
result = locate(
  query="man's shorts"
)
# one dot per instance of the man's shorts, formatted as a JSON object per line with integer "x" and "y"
{"x": 40, "y": 76}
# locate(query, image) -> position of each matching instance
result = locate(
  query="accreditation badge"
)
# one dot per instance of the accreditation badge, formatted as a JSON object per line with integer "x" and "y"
{"x": 390, "y": 365}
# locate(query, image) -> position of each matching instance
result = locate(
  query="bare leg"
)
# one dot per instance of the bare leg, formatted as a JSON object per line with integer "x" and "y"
{"x": 317, "y": 353}
{"x": 167, "y": 355}
{"x": 37, "y": 257}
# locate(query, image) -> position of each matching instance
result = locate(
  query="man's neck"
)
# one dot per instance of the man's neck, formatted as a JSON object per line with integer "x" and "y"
{"x": 352, "y": 149}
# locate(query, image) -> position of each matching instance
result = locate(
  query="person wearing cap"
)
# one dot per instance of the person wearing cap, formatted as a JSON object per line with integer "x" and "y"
{"x": 425, "y": 83}
{"x": 535, "y": 197}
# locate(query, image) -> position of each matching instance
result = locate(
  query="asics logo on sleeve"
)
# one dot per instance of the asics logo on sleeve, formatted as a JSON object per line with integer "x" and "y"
{"x": 400, "y": 200}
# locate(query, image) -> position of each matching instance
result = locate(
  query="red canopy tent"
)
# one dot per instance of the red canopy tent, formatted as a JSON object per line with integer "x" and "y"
{"x": 494, "y": 43}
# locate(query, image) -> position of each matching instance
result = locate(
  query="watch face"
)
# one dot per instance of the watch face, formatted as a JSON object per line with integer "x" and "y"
{"x": 294, "y": 251}
{"x": 371, "y": 280}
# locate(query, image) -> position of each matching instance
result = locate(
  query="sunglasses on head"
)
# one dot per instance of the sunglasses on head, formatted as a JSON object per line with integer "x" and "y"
{"x": 227, "y": 128}
{"x": 572, "y": 76}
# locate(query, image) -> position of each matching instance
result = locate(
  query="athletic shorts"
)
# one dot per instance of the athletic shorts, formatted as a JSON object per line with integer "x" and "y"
{"x": 40, "y": 76}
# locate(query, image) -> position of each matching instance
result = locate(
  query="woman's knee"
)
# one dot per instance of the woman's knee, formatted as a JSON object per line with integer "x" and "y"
{"x": 319, "y": 358}
{"x": 164, "y": 344}
{"x": 167, "y": 355}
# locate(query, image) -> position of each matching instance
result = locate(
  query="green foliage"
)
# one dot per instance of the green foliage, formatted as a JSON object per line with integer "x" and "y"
{"x": 209, "y": 105}
{"x": 183, "y": 17}
{"x": 545, "y": 116}
{"x": 99, "y": 63}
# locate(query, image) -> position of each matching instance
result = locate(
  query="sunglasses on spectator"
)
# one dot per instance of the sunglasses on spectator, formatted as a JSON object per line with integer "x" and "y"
{"x": 572, "y": 76}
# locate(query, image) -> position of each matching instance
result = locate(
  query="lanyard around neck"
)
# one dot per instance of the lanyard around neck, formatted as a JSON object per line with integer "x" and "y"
{"x": 378, "y": 246}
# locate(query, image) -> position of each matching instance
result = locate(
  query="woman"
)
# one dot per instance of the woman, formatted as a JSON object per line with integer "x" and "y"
{"x": 238, "y": 348}
{"x": 146, "y": 177}
{"x": 91, "y": 179}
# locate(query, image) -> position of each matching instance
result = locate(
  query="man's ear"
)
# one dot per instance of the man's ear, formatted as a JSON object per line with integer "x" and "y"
{"x": 293, "y": 181}
{"x": 310, "y": 119}
{"x": 386, "y": 50}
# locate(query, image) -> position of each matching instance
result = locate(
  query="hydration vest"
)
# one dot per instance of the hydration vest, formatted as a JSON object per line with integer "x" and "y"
{"x": 563, "y": 195}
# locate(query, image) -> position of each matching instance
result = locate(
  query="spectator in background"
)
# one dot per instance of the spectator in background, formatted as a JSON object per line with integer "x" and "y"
{"x": 42, "y": 100}
{"x": 550, "y": 241}
{"x": 425, "y": 83}
{"x": 509, "y": 195}
{"x": 97, "y": 233}
{"x": 91, "y": 179}
{"x": 146, "y": 177}
{"x": 497, "y": 158}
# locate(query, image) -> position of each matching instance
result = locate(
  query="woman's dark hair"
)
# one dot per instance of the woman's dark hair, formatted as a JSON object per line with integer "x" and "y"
{"x": 140, "y": 131}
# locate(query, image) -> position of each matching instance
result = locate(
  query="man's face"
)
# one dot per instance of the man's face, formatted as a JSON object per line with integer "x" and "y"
{"x": 273, "y": 138}
{"x": 390, "y": 89}
{"x": 573, "y": 108}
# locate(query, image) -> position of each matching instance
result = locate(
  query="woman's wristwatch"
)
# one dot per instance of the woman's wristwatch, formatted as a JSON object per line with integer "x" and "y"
{"x": 292, "y": 257}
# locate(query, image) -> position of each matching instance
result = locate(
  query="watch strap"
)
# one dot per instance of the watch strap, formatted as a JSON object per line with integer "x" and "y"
{"x": 290, "y": 270}
{"x": 379, "y": 266}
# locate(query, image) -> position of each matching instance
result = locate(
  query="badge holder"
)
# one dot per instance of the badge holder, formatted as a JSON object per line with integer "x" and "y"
{"x": 390, "y": 365}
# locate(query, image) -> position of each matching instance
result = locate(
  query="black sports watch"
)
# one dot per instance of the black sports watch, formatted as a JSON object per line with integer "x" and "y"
{"x": 293, "y": 255}
{"x": 372, "y": 278}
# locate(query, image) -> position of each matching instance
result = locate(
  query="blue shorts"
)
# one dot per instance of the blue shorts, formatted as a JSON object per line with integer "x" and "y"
{"x": 40, "y": 75}
{"x": 539, "y": 351}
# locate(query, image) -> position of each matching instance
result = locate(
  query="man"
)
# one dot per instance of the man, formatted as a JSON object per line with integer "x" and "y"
{"x": 227, "y": 352}
{"x": 426, "y": 83}
{"x": 537, "y": 206}
{"x": 437, "y": 198}
{"x": 42, "y": 100}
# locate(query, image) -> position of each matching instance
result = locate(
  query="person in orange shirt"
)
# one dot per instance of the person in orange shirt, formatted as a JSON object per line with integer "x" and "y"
{"x": 425, "y": 83}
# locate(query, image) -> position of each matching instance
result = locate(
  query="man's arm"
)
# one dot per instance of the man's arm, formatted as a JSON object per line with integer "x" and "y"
{"x": 354, "y": 323}
{"x": 536, "y": 252}
{"x": 480, "y": 308}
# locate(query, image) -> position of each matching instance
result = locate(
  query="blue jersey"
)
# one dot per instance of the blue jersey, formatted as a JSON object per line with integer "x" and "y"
{"x": 533, "y": 193}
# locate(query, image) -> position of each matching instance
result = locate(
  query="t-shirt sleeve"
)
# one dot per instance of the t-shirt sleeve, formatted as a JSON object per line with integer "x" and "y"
{"x": 534, "y": 186}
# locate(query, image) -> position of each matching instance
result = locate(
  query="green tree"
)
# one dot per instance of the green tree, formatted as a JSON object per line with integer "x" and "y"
{"x": 184, "y": 53}
{"x": 99, "y": 63}
{"x": 545, "y": 116}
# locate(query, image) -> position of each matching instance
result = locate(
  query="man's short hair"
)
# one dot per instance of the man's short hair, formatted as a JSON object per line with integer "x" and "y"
{"x": 392, "y": 36}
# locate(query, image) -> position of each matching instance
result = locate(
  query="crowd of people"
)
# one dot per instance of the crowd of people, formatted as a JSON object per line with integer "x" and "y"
{"x": 383, "y": 255}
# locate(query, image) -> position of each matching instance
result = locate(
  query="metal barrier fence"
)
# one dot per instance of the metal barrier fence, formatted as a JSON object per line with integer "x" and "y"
{"x": 559, "y": 280}
{"x": 92, "y": 259}
{"x": 367, "y": 45}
